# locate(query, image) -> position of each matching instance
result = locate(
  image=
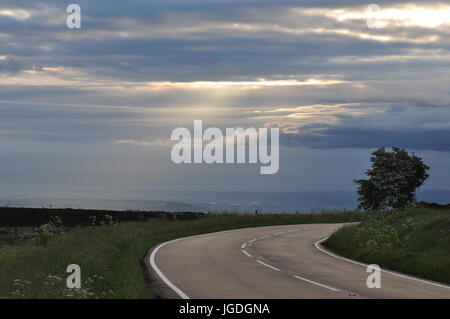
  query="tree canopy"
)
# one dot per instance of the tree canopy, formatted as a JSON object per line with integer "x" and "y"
{"x": 393, "y": 180}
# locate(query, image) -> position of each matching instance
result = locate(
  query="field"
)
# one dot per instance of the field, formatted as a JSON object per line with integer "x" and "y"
{"x": 415, "y": 241}
{"x": 110, "y": 256}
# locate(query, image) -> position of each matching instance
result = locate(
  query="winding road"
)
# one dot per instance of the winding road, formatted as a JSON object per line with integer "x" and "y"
{"x": 285, "y": 262}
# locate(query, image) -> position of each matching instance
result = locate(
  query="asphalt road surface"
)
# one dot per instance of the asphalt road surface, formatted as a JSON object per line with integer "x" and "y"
{"x": 272, "y": 262}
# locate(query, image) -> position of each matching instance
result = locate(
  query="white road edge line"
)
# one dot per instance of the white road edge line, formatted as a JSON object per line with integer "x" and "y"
{"x": 243, "y": 245}
{"x": 247, "y": 254}
{"x": 161, "y": 275}
{"x": 315, "y": 283}
{"x": 267, "y": 265}
{"x": 319, "y": 247}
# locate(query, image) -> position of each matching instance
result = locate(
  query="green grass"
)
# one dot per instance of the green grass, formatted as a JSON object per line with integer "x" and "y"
{"x": 110, "y": 257}
{"x": 415, "y": 242}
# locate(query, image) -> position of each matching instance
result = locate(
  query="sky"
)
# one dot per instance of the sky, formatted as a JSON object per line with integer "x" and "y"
{"x": 92, "y": 109}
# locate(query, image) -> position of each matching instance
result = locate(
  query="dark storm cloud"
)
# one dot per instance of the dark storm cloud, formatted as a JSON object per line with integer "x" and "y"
{"x": 397, "y": 102}
{"x": 376, "y": 124}
{"x": 342, "y": 137}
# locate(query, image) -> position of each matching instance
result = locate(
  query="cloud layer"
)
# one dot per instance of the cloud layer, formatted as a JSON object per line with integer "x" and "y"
{"x": 138, "y": 69}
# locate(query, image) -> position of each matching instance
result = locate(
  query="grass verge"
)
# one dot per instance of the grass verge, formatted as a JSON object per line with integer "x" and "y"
{"x": 110, "y": 257}
{"x": 414, "y": 241}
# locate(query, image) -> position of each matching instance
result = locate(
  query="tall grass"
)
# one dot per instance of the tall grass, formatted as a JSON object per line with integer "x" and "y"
{"x": 110, "y": 257}
{"x": 415, "y": 241}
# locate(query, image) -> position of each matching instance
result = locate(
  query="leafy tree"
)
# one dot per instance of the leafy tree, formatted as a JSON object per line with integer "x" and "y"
{"x": 393, "y": 180}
